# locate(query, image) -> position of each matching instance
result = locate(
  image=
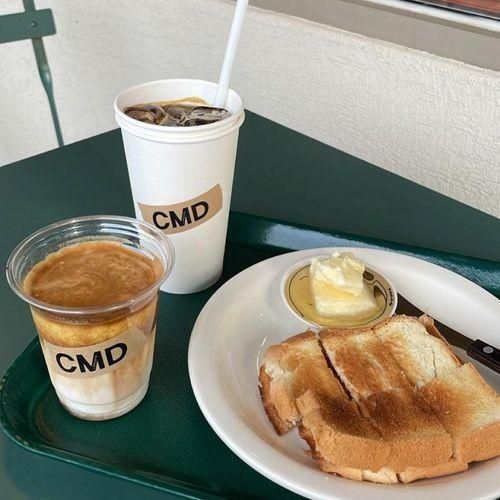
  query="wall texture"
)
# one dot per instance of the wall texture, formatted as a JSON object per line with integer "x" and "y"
{"x": 433, "y": 120}
{"x": 471, "y": 39}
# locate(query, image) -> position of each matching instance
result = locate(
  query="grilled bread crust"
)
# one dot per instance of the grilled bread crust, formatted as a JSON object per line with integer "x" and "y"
{"x": 389, "y": 404}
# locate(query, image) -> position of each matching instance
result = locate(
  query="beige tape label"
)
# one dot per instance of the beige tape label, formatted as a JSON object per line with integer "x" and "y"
{"x": 185, "y": 215}
{"x": 97, "y": 359}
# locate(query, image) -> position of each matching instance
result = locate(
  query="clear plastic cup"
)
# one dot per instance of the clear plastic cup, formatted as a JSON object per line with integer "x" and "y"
{"x": 99, "y": 358}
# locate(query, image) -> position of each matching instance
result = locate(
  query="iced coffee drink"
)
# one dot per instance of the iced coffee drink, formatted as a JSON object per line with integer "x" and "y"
{"x": 183, "y": 112}
{"x": 94, "y": 304}
{"x": 181, "y": 155}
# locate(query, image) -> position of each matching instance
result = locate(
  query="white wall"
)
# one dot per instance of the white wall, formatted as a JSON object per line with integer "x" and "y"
{"x": 444, "y": 32}
{"x": 433, "y": 120}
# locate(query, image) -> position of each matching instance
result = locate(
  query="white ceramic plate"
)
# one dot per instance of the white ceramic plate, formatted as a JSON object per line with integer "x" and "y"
{"x": 246, "y": 315}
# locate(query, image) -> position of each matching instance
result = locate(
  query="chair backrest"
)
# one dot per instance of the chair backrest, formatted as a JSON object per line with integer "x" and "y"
{"x": 34, "y": 24}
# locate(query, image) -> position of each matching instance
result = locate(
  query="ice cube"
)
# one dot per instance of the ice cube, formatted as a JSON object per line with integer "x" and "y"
{"x": 148, "y": 113}
{"x": 176, "y": 115}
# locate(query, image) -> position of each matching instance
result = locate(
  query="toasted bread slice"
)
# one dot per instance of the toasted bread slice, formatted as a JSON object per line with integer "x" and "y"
{"x": 384, "y": 405}
{"x": 338, "y": 435}
{"x": 469, "y": 410}
{"x": 278, "y": 402}
{"x": 281, "y": 380}
{"x": 374, "y": 379}
{"x": 289, "y": 369}
{"x": 297, "y": 385}
{"x": 408, "y": 424}
{"x": 362, "y": 362}
{"x": 465, "y": 404}
{"x": 357, "y": 453}
{"x": 421, "y": 356}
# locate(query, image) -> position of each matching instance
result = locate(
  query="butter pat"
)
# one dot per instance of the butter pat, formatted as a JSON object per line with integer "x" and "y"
{"x": 338, "y": 288}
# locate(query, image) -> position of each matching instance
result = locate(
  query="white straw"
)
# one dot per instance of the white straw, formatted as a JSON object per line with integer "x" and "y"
{"x": 232, "y": 45}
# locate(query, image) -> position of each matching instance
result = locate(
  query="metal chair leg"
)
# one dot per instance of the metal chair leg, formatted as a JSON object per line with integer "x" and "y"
{"x": 45, "y": 75}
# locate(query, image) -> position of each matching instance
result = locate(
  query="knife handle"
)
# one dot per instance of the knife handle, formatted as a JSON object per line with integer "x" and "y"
{"x": 485, "y": 354}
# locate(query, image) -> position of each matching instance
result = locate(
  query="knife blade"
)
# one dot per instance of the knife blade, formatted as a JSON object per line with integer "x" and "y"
{"x": 479, "y": 350}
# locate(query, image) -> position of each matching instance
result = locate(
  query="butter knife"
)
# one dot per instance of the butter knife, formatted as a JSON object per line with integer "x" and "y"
{"x": 479, "y": 350}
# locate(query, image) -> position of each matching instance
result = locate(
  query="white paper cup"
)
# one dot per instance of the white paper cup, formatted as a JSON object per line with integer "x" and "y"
{"x": 182, "y": 177}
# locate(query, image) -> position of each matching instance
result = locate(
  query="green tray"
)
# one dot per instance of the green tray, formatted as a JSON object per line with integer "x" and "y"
{"x": 165, "y": 442}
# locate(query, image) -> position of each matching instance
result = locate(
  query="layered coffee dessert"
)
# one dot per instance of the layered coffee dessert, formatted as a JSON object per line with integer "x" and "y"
{"x": 185, "y": 112}
{"x": 100, "y": 360}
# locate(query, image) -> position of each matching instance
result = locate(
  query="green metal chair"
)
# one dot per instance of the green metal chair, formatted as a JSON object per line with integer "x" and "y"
{"x": 34, "y": 24}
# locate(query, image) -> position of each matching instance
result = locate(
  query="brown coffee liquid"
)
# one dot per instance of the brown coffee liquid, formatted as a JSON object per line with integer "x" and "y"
{"x": 91, "y": 273}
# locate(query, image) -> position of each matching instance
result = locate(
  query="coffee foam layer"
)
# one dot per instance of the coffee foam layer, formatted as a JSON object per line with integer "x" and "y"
{"x": 91, "y": 273}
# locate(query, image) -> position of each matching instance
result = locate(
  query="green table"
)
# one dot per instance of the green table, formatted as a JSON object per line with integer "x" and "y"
{"x": 280, "y": 174}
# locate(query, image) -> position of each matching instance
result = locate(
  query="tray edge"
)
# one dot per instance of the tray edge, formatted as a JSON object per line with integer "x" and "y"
{"x": 84, "y": 462}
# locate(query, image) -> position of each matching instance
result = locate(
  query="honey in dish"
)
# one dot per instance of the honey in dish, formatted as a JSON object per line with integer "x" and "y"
{"x": 298, "y": 291}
